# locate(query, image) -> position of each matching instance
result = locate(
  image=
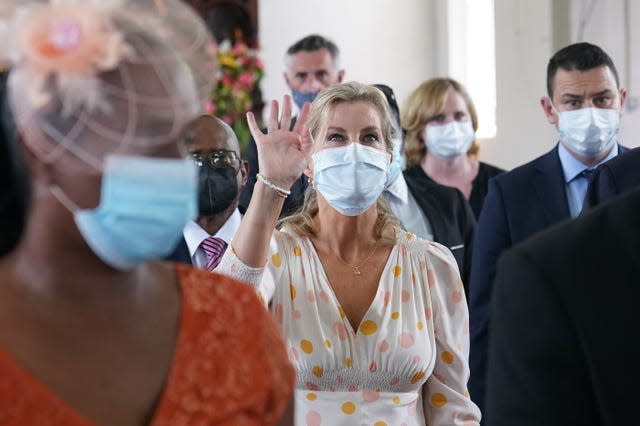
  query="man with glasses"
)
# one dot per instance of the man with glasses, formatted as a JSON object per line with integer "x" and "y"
{"x": 221, "y": 175}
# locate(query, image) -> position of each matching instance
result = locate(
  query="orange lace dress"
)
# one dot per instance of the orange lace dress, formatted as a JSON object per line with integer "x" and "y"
{"x": 229, "y": 366}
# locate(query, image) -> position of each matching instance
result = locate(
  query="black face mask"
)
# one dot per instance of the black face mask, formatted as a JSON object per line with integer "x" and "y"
{"x": 217, "y": 187}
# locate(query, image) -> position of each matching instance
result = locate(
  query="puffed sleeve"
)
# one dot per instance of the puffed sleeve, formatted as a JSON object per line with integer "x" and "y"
{"x": 445, "y": 396}
{"x": 264, "y": 280}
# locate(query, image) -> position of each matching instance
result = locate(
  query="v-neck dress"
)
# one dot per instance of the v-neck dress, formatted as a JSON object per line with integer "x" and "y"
{"x": 229, "y": 366}
{"x": 407, "y": 362}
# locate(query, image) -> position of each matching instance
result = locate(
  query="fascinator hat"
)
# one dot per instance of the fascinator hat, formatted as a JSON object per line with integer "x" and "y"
{"x": 99, "y": 77}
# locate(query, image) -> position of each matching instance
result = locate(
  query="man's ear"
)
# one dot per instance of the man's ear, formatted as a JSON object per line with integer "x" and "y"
{"x": 244, "y": 173}
{"x": 340, "y": 76}
{"x": 623, "y": 99}
{"x": 547, "y": 108}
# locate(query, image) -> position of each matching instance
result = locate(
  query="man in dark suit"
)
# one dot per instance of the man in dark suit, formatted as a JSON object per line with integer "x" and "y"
{"x": 563, "y": 348}
{"x": 613, "y": 178}
{"x": 221, "y": 175}
{"x": 312, "y": 64}
{"x": 584, "y": 102}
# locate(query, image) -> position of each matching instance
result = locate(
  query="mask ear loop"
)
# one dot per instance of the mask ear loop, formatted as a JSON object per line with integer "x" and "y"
{"x": 63, "y": 198}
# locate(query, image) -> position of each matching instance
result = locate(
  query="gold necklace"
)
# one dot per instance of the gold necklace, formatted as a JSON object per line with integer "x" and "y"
{"x": 356, "y": 269}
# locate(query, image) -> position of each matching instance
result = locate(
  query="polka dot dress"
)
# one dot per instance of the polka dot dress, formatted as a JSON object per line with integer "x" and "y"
{"x": 406, "y": 363}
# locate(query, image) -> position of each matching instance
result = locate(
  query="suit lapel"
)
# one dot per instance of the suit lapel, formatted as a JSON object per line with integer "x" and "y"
{"x": 548, "y": 183}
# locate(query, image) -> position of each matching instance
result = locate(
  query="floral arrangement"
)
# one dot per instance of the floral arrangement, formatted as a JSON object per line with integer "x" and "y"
{"x": 239, "y": 73}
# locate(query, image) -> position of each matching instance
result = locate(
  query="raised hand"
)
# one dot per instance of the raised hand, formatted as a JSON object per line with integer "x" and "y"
{"x": 283, "y": 154}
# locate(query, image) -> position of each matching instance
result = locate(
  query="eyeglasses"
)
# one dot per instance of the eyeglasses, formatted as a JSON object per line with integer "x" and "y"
{"x": 219, "y": 159}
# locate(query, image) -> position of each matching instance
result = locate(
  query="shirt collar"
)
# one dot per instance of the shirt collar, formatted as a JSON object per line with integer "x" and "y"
{"x": 194, "y": 235}
{"x": 572, "y": 167}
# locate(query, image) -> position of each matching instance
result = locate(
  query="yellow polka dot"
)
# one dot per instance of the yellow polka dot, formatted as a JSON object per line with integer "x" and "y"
{"x": 410, "y": 236}
{"x": 396, "y": 271}
{"x": 368, "y": 327}
{"x": 297, "y": 251}
{"x": 395, "y": 315}
{"x": 447, "y": 357}
{"x": 317, "y": 371}
{"x": 380, "y": 424}
{"x": 349, "y": 407}
{"x": 420, "y": 326}
{"x": 261, "y": 297}
{"x": 348, "y": 362}
{"x": 418, "y": 377}
{"x": 341, "y": 312}
{"x": 306, "y": 346}
{"x": 327, "y": 343}
{"x": 466, "y": 393}
{"x": 396, "y": 400}
{"x": 293, "y": 291}
{"x": 438, "y": 400}
{"x": 276, "y": 260}
{"x": 312, "y": 396}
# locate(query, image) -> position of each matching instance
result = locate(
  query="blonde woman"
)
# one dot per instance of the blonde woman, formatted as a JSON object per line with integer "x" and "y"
{"x": 440, "y": 120}
{"x": 374, "y": 318}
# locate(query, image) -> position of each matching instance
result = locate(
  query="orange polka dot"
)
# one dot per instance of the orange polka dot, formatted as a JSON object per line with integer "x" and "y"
{"x": 419, "y": 325}
{"x": 327, "y": 343}
{"x": 306, "y": 346}
{"x": 457, "y": 296}
{"x": 293, "y": 291}
{"x": 395, "y": 315}
{"x": 348, "y": 362}
{"x": 276, "y": 260}
{"x": 396, "y": 271}
{"x": 395, "y": 400}
{"x": 312, "y": 396}
{"x": 317, "y": 371}
{"x": 297, "y": 251}
{"x": 418, "y": 377}
{"x": 348, "y": 408}
{"x": 438, "y": 400}
{"x": 368, "y": 327}
{"x": 380, "y": 423}
{"x": 410, "y": 236}
{"x": 447, "y": 357}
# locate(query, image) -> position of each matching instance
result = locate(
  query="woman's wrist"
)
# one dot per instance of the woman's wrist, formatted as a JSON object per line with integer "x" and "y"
{"x": 279, "y": 190}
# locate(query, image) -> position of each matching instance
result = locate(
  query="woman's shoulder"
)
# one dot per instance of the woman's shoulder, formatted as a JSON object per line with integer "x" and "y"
{"x": 421, "y": 247}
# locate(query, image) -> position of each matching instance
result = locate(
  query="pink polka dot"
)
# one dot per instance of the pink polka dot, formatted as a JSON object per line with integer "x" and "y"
{"x": 293, "y": 354}
{"x": 394, "y": 381}
{"x": 440, "y": 377}
{"x": 311, "y": 296}
{"x": 313, "y": 418}
{"x": 369, "y": 396}
{"x": 457, "y": 297}
{"x": 437, "y": 332}
{"x": 352, "y": 388}
{"x": 386, "y": 298}
{"x": 413, "y": 279}
{"x": 340, "y": 379}
{"x": 405, "y": 340}
{"x": 312, "y": 386}
{"x": 428, "y": 314}
{"x": 297, "y": 315}
{"x": 279, "y": 313}
{"x": 234, "y": 267}
{"x": 411, "y": 409}
{"x": 465, "y": 327}
{"x": 431, "y": 277}
{"x": 416, "y": 359}
{"x": 383, "y": 346}
{"x": 373, "y": 367}
{"x": 340, "y": 330}
{"x": 405, "y": 296}
{"x": 403, "y": 250}
{"x": 324, "y": 296}
{"x": 423, "y": 265}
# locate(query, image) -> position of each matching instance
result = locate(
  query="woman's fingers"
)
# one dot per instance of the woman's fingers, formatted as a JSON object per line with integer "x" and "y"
{"x": 273, "y": 124}
{"x": 253, "y": 126}
{"x": 285, "y": 121}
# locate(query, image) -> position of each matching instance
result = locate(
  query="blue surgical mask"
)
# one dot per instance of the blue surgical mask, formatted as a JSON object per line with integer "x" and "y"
{"x": 299, "y": 98}
{"x": 450, "y": 140}
{"x": 144, "y": 205}
{"x": 351, "y": 177}
{"x": 588, "y": 131}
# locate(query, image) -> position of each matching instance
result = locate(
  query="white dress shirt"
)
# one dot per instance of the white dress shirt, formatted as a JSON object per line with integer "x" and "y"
{"x": 194, "y": 235}
{"x": 405, "y": 207}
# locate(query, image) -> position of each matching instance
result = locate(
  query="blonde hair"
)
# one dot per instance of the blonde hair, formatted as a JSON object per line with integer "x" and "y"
{"x": 301, "y": 222}
{"x": 422, "y": 106}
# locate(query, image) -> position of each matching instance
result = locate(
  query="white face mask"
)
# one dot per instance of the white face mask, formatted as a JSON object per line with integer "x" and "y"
{"x": 450, "y": 140}
{"x": 588, "y": 131}
{"x": 351, "y": 177}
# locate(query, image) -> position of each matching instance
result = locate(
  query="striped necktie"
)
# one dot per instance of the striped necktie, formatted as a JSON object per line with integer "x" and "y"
{"x": 214, "y": 248}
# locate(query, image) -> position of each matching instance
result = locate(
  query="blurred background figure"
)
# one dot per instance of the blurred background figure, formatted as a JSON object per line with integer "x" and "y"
{"x": 440, "y": 120}
{"x": 93, "y": 330}
{"x": 311, "y": 64}
{"x": 221, "y": 176}
{"x": 613, "y": 178}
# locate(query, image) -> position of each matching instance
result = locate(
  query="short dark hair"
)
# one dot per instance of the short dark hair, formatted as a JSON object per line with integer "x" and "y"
{"x": 314, "y": 42}
{"x": 579, "y": 56}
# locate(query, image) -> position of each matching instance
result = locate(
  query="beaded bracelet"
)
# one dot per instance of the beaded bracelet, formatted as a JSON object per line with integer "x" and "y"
{"x": 280, "y": 191}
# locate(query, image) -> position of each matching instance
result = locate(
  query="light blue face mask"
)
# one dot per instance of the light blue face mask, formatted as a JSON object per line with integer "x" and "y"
{"x": 588, "y": 131}
{"x": 144, "y": 205}
{"x": 351, "y": 177}
{"x": 299, "y": 98}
